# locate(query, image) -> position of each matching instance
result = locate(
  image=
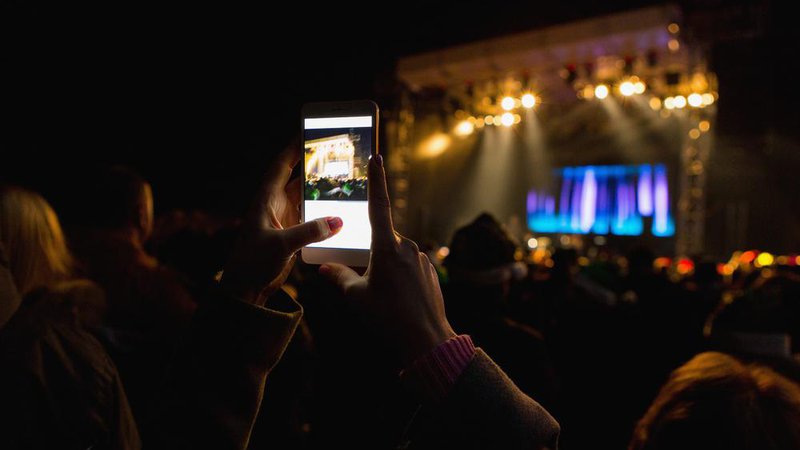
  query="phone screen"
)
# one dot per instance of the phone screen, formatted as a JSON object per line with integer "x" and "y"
{"x": 337, "y": 151}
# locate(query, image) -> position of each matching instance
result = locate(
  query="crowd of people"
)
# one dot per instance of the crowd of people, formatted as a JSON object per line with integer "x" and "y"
{"x": 123, "y": 331}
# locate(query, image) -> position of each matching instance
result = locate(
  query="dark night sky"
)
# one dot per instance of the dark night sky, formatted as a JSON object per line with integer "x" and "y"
{"x": 198, "y": 98}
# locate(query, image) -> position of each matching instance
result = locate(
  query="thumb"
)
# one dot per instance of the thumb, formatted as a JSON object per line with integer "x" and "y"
{"x": 299, "y": 236}
{"x": 340, "y": 275}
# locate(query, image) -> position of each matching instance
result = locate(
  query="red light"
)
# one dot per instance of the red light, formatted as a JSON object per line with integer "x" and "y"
{"x": 748, "y": 257}
{"x": 685, "y": 266}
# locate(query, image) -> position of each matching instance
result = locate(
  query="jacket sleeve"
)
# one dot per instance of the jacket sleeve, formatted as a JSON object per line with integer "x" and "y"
{"x": 213, "y": 391}
{"x": 484, "y": 410}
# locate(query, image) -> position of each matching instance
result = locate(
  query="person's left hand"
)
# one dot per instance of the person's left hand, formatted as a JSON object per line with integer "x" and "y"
{"x": 265, "y": 251}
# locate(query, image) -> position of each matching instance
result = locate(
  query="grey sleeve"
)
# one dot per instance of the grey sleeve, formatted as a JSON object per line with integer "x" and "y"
{"x": 484, "y": 410}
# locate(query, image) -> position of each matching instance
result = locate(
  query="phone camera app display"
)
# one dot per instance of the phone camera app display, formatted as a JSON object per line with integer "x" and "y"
{"x": 337, "y": 152}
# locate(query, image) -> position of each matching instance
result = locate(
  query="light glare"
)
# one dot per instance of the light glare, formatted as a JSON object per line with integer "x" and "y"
{"x": 601, "y": 91}
{"x": 627, "y": 88}
{"x": 528, "y": 101}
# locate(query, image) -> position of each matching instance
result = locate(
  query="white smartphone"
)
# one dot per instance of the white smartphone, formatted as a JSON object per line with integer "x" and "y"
{"x": 339, "y": 138}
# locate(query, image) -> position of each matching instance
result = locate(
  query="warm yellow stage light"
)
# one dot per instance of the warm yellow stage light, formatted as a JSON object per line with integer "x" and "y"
{"x": 588, "y": 91}
{"x": 507, "y": 103}
{"x": 464, "y": 128}
{"x": 708, "y": 99}
{"x": 528, "y": 101}
{"x": 627, "y": 88}
{"x": 601, "y": 91}
{"x": 639, "y": 87}
{"x": 704, "y": 125}
{"x": 694, "y": 133}
{"x": 507, "y": 119}
{"x": 673, "y": 45}
{"x": 655, "y": 103}
{"x": 488, "y": 120}
{"x": 695, "y": 100}
{"x": 680, "y": 101}
{"x": 669, "y": 103}
{"x": 434, "y": 146}
{"x": 673, "y": 28}
{"x": 765, "y": 259}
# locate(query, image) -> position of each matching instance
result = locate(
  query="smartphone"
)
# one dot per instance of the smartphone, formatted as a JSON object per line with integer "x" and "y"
{"x": 339, "y": 138}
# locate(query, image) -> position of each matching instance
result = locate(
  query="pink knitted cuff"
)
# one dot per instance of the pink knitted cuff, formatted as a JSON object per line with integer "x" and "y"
{"x": 433, "y": 375}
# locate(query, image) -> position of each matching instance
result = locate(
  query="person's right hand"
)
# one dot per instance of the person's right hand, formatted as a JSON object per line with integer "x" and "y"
{"x": 399, "y": 293}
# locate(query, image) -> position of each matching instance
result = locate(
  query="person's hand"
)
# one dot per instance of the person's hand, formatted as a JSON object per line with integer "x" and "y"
{"x": 399, "y": 293}
{"x": 265, "y": 250}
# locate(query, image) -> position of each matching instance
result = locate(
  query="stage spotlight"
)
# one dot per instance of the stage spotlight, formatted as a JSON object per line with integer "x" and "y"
{"x": 507, "y": 119}
{"x": 601, "y": 91}
{"x": 517, "y": 118}
{"x": 655, "y": 103}
{"x": 507, "y": 103}
{"x": 673, "y": 28}
{"x": 588, "y": 91}
{"x": 695, "y": 100}
{"x": 533, "y": 243}
{"x": 704, "y": 125}
{"x": 479, "y": 123}
{"x": 673, "y": 45}
{"x": 765, "y": 259}
{"x": 528, "y": 101}
{"x": 708, "y": 99}
{"x": 489, "y": 120}
{"x": 627, "y": 88}
{"x": 464, "y": 128}
{"x": 694, "y": 133}
{"x": 434, "y": 145}
{"x": 639, "y": 87}
{"x": 669, "y": 103}
{"x": 680, "y": 101}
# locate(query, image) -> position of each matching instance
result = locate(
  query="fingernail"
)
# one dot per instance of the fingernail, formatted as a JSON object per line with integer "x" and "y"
{"x": 324, "y": 270}
{"x": 334, "y": 224}
{"x": 379, "y": 160}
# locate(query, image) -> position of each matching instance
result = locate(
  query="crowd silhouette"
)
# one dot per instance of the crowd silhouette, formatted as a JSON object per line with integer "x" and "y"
{"x": 125, "y": 330}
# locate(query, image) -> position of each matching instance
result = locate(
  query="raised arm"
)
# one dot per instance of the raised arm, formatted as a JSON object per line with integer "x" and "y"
{"x": 467, "y": 400}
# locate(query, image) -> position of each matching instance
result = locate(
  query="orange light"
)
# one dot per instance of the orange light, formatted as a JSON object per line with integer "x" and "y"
{"x": 684, "y": 266}
{"x": 660, "y": 263}
{"x": 747, "y": 257}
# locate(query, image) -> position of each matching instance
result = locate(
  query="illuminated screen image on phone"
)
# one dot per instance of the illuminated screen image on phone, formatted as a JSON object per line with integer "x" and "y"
{"x": 337, "y": 151}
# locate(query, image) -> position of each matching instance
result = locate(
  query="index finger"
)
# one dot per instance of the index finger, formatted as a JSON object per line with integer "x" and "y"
{"x": 380, "y": 212}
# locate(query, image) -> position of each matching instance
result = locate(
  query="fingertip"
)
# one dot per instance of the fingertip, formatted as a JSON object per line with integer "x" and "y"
{"x": 325, "y": 269}
{"x": 334, "y": 224}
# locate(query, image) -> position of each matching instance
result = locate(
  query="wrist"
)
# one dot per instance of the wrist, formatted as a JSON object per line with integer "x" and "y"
{"x": 433, "y": 375}
{"x": 423, "y": 343}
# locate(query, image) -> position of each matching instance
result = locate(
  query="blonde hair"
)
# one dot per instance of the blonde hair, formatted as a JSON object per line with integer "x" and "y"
{"x": 35, "y": 245}
{"x": 717, "y": 401}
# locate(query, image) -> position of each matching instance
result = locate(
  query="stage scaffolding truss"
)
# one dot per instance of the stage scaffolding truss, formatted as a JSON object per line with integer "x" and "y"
{"x": 490, "y": 83}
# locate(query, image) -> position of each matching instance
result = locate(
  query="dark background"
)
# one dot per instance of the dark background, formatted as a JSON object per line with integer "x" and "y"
{"x": 199, "y": 97}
